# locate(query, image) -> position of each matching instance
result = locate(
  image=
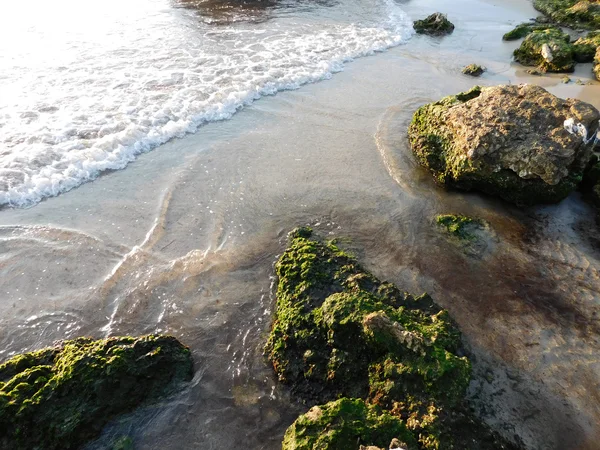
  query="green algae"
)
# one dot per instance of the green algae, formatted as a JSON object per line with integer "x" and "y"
{"x": 433, "y": 146}
{"x": 523, "y": 29}
{"x": 339, "y": 332}
{"x": 458, "y": 225}
{"x": 584, "y": 48}
{"x": 531, "y": 51}
{"x": 436, "y": 24}
{"x": 60, "y": 397}
{"x": 344, "y": 424}
{"x": 571, "y": 13}
{"x": 473, "y": 69}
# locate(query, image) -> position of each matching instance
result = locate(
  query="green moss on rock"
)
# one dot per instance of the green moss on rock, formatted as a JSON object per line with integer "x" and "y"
{"x": 550, "y": 50}
{"x": 522, "y": 30}
{"x": 436, "y": 24}
{"x": 457, "y": 225}
{"x": 572, "y": 13}
{"x": 345, "y": 424}
{"x": 474, "y": 70}
{"x": 60, "y": 397}
{"x": 338, "y": 331}
{"x": 472, "y": 158}
{"x": 584, "y": 48}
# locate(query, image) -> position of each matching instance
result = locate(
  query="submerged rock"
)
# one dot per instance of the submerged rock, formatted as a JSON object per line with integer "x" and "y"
{"x": 60, "y": 397}
{"x": 436, "y": 24}
{"x": 473, "y": 69}
{"x": 338, "y": 331}
{"x": 457, "y": 225}
{"x": 508, "y": 141}
{"x": 550, "y": 50}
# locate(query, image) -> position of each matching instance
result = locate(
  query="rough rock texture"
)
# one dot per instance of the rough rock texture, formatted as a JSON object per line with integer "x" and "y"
{"x": 340, "y": 332}
{"x": 571, "y": 13}
{"x": 344, "y": 424}
{"x": 507, "y": 141}
{"x": 597, "y": 64}
{"x": 522, "y": 30}
{"x": 436, "y": 24}
{"x": 60, "y": 397}
{"x": 550, "y": 50}
{"x": 584, "y": 48}
{"x": 473, "y": 69}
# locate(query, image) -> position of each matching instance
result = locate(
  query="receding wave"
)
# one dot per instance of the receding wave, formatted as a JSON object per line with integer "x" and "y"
{"x": 103, "y": 98}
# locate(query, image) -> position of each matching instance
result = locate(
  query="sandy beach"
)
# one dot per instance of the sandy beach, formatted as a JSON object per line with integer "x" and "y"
{"x": 183, "y": 241}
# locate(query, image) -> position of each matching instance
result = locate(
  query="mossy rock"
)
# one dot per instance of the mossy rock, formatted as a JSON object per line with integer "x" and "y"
{"x": 523, "y": 29}
{"x": 338, "y": 331}
{"x": 437, "y": 24}
{"x": 459, "y": 226}
{"x": 550, "y": 50}
{"x": 596, "y": 68}
{"x": 489, "y": 140}
{"x": 61, "y": 397}
{"x": 571, "y": 13}
{"x": 345, "y": 424}
{"x": 473, "y": 70}
{"x": 584, "y": 48}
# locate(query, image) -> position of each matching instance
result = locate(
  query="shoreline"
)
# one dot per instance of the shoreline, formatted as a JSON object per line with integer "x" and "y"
{"x": 189, "y": 248}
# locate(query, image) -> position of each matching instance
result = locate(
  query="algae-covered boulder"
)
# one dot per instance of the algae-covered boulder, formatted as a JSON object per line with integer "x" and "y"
{"x": 60, "y": 397}
{"x": 597, "y": 64}
{"x": 437, "y": 24}
{"x": 473, "y": 70}
{"x": 345, "y": 424}
{"x": 584, "y": 48}
{"x": 338, "y": 331}
{"x": 571, "y": 13}
{"x": 523, "y": 29}
{"x": 550, "y": 50}
{"x": 508, "y": 141}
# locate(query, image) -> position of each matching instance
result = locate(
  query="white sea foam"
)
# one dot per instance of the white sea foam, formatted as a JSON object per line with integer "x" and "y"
{"x": 105, "y": 90}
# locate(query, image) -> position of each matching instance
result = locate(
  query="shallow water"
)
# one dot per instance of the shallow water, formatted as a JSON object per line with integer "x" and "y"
{"x": 183, "y": 241}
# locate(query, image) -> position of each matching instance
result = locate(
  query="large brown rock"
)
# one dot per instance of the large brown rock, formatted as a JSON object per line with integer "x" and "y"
{"x": 508, "y": 141}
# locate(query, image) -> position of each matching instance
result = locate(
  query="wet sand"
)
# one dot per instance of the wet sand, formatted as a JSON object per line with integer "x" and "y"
{"x": 183, "y": 241}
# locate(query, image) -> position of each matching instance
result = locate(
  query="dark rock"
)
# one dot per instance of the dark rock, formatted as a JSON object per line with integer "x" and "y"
{"x": 342, "y": 336}
{"x": 436, "y": 24}
{"x": 473, "y": 69}
{"x": 60, "y": 397}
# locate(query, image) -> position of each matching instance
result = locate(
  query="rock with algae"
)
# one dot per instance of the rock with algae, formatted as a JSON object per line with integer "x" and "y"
{"x": 549, "y": 50}
{"x": 474, "y": 70}
{"x": 508, "y": 141}
{"x": 345, "y": 424}
{"x": 437, "y": 24}
{"x": 571, "y": 13}
{"x": 340, "y": 336}
{"x": 61, "y": 397}
{"x": 584, "y": 48}
{"x": 458, "y": 225}
{"x": 523, "y": 29}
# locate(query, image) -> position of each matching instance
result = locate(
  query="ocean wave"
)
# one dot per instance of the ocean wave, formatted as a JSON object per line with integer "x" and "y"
{"x": 112, "y": 98}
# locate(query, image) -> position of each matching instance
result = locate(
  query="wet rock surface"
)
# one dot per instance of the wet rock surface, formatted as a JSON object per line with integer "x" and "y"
{"x": 508, "y": 141}
{"x": 61, "y": 397}
{"x": 348, "y": 342}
